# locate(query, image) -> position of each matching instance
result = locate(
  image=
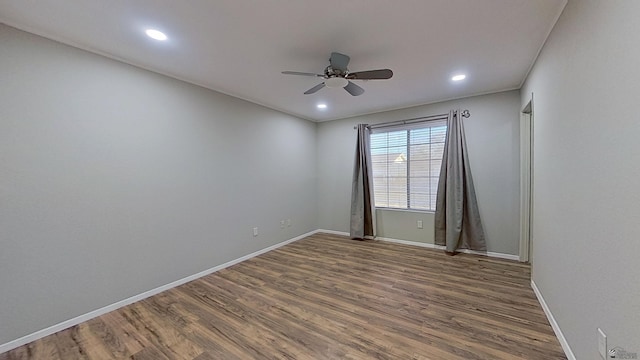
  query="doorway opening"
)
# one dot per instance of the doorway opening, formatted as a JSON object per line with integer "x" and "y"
{"x": 526, "y": 182}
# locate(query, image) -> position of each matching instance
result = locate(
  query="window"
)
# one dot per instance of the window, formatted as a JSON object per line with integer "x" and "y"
{"x": 406, "y": 165}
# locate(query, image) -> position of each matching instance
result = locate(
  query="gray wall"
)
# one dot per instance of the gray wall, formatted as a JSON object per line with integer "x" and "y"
{"x": 115, "y": 180}
{"x": 586, "y": 86}
{"x": 493, "y": 139}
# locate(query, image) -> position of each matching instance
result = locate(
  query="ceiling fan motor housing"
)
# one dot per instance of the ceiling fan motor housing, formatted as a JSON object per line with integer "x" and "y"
{"x": 331, "y": 72}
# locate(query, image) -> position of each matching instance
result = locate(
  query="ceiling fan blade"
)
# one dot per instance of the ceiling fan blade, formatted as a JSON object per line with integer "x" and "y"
{"x": 314, "y": 89}
{"x": 301, "y": 73}
{"x": 339, "y": 61}
{"x": 354, "y": 89}
{"x": 381, "y": 74}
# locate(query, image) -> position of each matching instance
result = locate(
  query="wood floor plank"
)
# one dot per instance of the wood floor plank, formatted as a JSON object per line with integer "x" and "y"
{"x": 301, "y": 320}
{"x": 161, "y": 332}
{"x": 131, "y": 339}
{"x": 69, "y": 343}
{"x": 326, "y": 297}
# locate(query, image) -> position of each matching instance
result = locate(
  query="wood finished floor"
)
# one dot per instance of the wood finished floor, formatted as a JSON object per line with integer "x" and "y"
{"x": 326, "y": 297}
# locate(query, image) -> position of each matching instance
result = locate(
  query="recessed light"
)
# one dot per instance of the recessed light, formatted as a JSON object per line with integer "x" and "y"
{"x": 459, "y": 77}
{"x": 322, "y": 106}
{"x": 155, "y": 34}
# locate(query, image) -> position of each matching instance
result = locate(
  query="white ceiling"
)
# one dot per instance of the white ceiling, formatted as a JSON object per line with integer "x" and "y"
{"x": 239, "y": 47}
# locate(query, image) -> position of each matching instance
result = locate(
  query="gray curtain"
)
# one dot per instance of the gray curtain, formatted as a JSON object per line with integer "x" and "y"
{"x": 457, "y": 219}
{"x": 363, "y": 215}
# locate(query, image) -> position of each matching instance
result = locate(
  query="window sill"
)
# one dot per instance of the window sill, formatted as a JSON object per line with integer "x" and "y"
{"x": 407, "y": 210}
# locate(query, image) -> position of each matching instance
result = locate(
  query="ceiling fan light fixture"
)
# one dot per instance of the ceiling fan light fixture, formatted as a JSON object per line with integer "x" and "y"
{"x": 336, "y": 82}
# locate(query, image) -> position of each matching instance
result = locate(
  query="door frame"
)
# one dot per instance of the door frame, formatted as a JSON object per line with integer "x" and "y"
{"x": 526, "y": 182}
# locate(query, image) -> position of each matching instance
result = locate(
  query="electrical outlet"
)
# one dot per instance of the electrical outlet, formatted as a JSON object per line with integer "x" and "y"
{"x": 255, "y": 231}
{"x": 281, "y": 224}
{"x": 419, "y": 224}
{"x": 602, "y": 344}
{"x": 288, "y": 222}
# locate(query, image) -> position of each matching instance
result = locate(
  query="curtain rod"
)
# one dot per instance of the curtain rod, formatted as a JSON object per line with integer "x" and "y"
{"x": 465, "y": 113}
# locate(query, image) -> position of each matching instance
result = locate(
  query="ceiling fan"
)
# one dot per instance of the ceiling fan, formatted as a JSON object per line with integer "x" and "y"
{"x": 337, "y": 75}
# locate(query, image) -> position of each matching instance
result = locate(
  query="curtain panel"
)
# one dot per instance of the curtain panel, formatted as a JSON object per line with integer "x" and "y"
{"x": 457, "y": 218}
{"x": 363, "y": 213}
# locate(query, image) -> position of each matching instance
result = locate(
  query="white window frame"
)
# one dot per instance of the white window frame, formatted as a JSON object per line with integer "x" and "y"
{"x": 431, "y": 190}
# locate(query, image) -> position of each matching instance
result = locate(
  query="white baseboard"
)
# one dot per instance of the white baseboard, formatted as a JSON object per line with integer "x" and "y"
{"x": 332, "y": 232}
{"x": 342, "y": 233}
{"x": 430, "y": 246}
{"x": 95, "y": 313}
{"x": 554, "y": 324}
{"x": 90, "y": 315}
